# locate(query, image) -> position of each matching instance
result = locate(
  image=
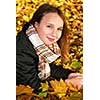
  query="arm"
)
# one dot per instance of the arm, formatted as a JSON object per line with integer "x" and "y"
{"x": 70, "y": 77}
{"x": 26, "y": 69}
{"x": 59, "y": 72}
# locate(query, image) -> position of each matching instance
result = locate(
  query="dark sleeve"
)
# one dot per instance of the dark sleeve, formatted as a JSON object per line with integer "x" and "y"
{"x": 26, "y": 70}
{"x": 58, "y": 72}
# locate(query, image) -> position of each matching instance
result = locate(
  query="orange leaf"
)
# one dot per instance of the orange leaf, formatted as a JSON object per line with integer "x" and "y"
{"x": 21, "y": 89}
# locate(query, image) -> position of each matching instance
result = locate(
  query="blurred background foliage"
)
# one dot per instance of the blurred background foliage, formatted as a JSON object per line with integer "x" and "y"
{"x": 73, "y": 10}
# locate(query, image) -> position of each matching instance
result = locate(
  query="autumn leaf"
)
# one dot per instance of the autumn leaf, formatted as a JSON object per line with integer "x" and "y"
{"x": 21, "y": 89}
{"x": 71, "y": 88}
{"x": 58, "y": 62}
{"x": 75, "y": 65}
{"x": 59, "y": 87}
{"x": 44, "y": 86}
{"x": 75, "y": 96}
{"x": 64, "y": 98}
{"x": 43, "y": 94}
{"x": 24, "y": 97}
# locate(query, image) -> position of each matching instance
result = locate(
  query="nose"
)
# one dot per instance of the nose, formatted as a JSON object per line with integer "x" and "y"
{"x": 54, "y": 32}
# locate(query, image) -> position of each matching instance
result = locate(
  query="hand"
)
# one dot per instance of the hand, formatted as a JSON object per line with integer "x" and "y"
{"x": 73, "y": 75}
{"x": 76, "y": 80}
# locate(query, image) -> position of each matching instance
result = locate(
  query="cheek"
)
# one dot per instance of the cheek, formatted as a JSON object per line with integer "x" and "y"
{"x": 46, "y": 31}
{"x": 59, "y": 35}
{"x": 41, "y": 31}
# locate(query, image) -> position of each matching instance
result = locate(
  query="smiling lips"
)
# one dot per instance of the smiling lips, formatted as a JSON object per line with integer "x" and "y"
{"x": 51, "y": 39}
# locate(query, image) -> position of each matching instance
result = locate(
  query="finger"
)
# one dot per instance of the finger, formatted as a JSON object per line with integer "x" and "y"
{"x": 79, "y": 84}
{"x": 79, "y": 87}
{"x": 67, "y": 81}
{"x": 73, "y": 75}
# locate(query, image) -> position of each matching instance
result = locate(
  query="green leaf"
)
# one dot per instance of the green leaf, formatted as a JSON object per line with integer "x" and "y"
{"x": 75, "y": 65}
{"x": 75, "y": 95}
{"x": 43, "y": 94}
{"x": 81, "y": 99}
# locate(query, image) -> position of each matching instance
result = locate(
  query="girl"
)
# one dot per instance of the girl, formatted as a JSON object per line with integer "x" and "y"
{"x": 41, "y": 41}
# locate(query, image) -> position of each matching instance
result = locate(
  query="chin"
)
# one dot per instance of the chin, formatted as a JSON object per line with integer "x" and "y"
{"x": 48, "y": 43}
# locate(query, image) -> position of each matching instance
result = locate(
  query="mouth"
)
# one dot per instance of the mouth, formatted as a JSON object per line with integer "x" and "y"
{"x": 51, "y": 39}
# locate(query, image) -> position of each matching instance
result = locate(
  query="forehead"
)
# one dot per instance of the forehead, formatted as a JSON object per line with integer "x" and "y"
{"x": 52, "y": 18}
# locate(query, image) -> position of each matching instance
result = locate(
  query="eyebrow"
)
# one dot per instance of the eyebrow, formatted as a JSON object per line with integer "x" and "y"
{"x": 53, "y": 25}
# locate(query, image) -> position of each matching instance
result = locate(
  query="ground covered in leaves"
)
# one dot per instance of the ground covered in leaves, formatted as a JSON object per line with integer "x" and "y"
{"x": 57, "y": 90}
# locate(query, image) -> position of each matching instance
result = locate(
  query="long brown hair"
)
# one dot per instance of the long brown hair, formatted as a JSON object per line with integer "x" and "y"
{"x": 63, "y": 42}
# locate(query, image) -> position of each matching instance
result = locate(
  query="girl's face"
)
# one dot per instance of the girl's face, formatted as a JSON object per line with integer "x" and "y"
{"x": 50, "y": 28}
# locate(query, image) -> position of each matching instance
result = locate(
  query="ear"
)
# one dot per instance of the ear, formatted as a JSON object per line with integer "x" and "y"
{"x": 36, "y": 24}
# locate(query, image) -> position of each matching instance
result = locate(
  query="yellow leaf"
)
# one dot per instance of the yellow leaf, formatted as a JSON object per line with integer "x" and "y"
{"x": 72, "y": 88}
{"x": 25, "y": 18}
{"x": 59, "y": 87}
{"x": 44, "y": 86}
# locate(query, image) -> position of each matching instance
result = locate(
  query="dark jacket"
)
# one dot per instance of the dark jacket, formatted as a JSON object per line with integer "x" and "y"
{"x": 27, "y": 63}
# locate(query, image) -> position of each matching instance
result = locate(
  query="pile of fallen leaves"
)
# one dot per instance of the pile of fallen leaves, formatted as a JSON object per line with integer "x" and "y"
{"x": 57, "y": 90}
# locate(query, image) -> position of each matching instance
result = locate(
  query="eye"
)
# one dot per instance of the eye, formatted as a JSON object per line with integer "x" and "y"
{"x": 60, "y": 29}
{"x": 49, "y": 26}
